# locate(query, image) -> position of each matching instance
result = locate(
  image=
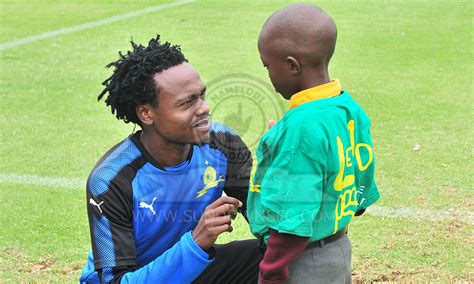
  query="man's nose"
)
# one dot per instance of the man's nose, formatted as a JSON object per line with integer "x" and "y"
{"x": 203, "y": 107}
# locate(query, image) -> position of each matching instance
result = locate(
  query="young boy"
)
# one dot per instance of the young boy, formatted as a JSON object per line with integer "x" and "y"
{"x": 315, "y": 167}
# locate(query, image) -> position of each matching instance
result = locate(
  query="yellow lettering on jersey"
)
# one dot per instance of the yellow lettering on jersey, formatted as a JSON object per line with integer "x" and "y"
{"x": 345, "y": 200}
{"x": 342, "y": 182}
{"x": 348, "y": 197}
{"x": 254, "y": 187}
{"x": 363, "y": 167}
{"x": 350, "y": 149}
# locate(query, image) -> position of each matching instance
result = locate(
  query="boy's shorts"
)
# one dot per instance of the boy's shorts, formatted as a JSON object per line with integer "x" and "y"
{"x": 330, "y": 263}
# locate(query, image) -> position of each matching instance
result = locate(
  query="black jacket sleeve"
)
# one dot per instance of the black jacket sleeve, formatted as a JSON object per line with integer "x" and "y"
{"x": 239, "y": 163}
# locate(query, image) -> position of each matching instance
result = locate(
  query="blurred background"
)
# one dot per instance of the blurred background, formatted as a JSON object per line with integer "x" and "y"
{"x": 408, "y": 63}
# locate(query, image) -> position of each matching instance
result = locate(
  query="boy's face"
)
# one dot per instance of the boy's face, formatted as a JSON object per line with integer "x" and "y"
{"x": 282, "y": 79}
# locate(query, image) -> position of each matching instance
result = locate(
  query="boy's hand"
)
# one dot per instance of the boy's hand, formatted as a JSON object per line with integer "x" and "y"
{"x": 271, "y": 123}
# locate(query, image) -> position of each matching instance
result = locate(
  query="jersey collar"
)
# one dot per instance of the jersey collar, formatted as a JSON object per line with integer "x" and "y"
{"x": 327, "y": 90}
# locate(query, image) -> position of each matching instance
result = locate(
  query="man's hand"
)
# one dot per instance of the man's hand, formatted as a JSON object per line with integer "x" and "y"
{"x": 215, "y": 220}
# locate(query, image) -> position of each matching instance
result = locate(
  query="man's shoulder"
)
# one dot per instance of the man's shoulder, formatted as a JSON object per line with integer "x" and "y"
{"x": 112, "y": 165}
{"x": 224, "y": 139}
{"x": 219, "y": 127}
{"x": 230, "y": 144}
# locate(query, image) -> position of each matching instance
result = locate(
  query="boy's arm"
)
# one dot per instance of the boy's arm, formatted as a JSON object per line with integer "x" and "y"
{"x": 288, "y": 200}
{"x": 359, "y": 212}
{"x": 282, "y": 249}
{"x": 295, "y": 191}
{"x": 368, "y": 192}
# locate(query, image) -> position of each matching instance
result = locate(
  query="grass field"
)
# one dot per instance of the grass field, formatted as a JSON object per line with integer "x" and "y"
{"x": 408, "y": 63}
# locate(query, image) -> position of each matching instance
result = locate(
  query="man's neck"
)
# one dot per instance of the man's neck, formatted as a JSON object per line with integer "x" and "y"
{"x": 165, "y": 154}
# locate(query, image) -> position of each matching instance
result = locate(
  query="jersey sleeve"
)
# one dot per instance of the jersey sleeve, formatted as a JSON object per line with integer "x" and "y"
{"x": 110, "y": 220}
{"x": 182, "y": 263}
{"x": 292, "y": 186}
{"x": 368, "y": 191}
{"x": 239, "y": 162}
{"x": 113, "y": 243}
{"x": 282, "y": 249}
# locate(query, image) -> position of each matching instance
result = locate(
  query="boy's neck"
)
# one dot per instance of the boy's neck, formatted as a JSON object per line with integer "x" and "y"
{"x": 321, "y": 91}
{"x": 314, "y": 78}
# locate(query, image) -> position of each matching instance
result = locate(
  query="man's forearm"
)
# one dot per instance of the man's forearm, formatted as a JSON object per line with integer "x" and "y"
{"x": 180, "y": 264}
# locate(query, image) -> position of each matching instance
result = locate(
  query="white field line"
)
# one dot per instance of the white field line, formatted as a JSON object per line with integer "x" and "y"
{"x": 91, "y": 25}
{"x": 414, "y": 213}
{"x": 374, "y": 210}
{"x": 61, "y": 182}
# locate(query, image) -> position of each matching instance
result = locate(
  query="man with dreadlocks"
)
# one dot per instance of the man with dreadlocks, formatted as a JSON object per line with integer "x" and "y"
{"x": 155, "y": 201}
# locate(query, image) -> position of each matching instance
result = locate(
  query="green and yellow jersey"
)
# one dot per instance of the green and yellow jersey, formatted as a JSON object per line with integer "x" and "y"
{"x": 314, "y": 168}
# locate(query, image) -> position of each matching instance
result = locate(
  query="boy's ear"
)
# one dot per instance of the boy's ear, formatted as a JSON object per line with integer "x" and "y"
{"x": 145, "y": 114}
{"x": 294, "y": 65}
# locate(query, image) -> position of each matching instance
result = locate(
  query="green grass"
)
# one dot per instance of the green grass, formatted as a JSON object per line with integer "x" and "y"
{"x": 409, "y": 64}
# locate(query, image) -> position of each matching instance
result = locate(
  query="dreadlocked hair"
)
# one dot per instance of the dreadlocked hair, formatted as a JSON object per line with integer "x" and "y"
{"x": 131, "y": 83}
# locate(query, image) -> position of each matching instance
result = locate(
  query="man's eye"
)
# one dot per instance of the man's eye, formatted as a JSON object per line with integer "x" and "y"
{"x": 186, "y": 103}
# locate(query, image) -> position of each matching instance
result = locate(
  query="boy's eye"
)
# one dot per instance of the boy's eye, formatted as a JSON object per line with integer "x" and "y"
{"x": 265, "y": 66}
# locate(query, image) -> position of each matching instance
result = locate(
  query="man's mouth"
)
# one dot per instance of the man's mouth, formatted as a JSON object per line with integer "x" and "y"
{"x": 203, "y": 125}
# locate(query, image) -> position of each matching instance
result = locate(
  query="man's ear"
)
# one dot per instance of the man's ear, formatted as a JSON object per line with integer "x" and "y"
{"x": 145, "y": 114}
{"x": 294, "y": 65}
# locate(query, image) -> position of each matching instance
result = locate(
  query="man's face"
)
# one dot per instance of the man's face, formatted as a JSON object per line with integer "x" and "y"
{"x": 278, "y": 70}
{"x": 181, "y": 116}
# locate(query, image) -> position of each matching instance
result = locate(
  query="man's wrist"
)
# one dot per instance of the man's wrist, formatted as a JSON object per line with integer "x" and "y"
{"x": 198, "y": 241}
{"x": 207, "y": 253}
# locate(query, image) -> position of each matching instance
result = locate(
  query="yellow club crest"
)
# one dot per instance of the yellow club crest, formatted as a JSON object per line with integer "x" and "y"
{"x": 210, "y": 180}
